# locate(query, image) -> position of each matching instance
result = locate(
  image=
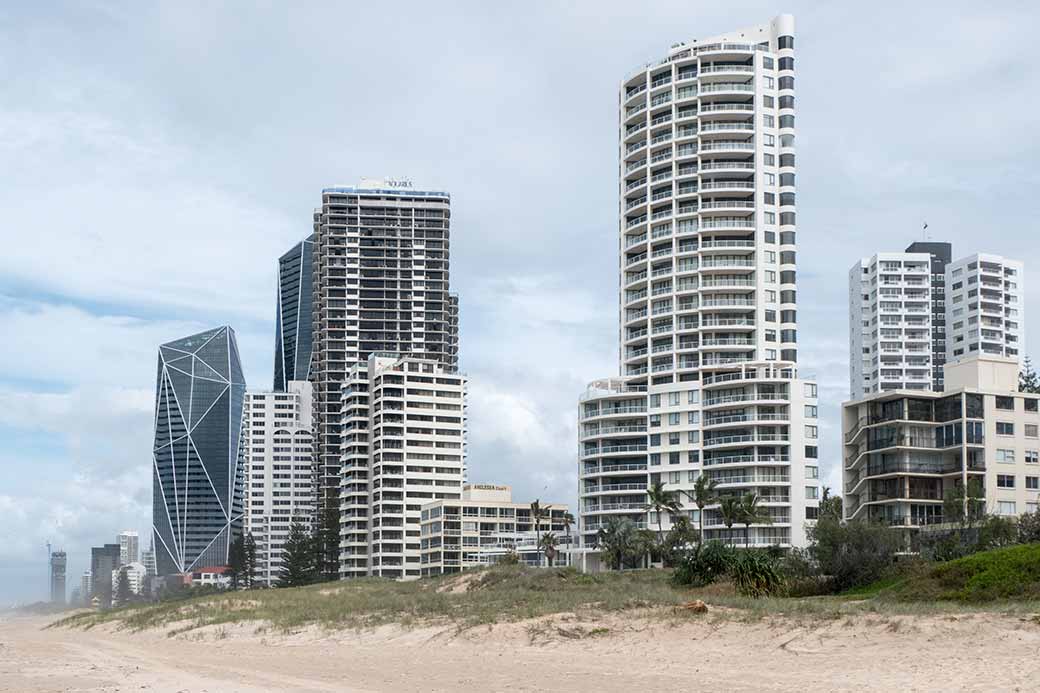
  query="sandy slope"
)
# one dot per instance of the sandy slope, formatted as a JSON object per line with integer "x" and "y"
{"x": 979, "y": 652}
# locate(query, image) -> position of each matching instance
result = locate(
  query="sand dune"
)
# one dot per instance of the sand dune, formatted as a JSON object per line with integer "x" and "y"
{"x": 562, "y": 653}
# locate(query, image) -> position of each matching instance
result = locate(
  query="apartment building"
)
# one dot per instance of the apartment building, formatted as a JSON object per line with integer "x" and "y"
{"x": 708, "y": 304}
{"x": 986, "y": 307}
{"x": 484, "y": 526}
{"x": 380, "y": 285}
{"x": 891, "y": 336}
{"x": 404, "y": 445}
{"x": 911, "y": 312}
{"x": 129, "y": 547}
{"x": 279, "y": 471}
{"x": 906, "y": 449}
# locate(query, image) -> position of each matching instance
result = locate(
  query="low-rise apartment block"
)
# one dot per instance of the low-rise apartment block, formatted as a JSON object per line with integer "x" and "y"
{"x": 906, "y": 449}
{"x": 485, "y": 526}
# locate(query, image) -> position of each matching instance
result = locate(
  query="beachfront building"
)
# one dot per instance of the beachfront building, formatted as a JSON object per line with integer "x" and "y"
{"x": 279, "y": 472}
{"x": 707, "y": 307}
{"x": 485, "y": 526}
{"x": 404, "y": 445}
{"x": 129, "y": 547}
{"x": 380, "y": 285}
{"x": 905, "y": 450}
{"x": 293, "y": 317}
{"x": 135, "y": 576}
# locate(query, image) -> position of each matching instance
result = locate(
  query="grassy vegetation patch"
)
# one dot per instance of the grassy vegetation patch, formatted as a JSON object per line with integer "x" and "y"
{"x": 1011, "y": 573}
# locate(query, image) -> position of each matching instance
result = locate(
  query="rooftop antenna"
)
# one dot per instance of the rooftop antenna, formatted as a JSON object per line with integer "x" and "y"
{"x": 924, "y": 231}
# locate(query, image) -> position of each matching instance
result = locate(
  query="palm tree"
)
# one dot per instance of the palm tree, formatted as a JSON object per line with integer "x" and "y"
{"x": 567, "y": 520}
{"x": 660, "y": 501}
{"x": 538, "y": 513}
{"x": 751, "y": 513}
{"x": 548, "y": 546}
{"x": 616, "y": 540}
{"x": 729, "y": 508}
{"x": 703, "y": 494}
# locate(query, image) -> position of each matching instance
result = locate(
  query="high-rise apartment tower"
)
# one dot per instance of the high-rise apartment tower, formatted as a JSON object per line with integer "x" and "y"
{"x": 381, "y": 285}
{"x": 912, "y": 312}
{"x": 708, "y": 306}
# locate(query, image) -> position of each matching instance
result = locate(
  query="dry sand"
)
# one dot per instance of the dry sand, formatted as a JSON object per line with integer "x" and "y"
{"x": 882, "y": 653}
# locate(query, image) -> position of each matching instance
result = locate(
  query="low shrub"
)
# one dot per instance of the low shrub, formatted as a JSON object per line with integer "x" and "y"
{"x": 703, "y": 565}
{"x": 757, "y": 574}
{"x": 1012, "y": 572}
{"x": 854, "y": 553}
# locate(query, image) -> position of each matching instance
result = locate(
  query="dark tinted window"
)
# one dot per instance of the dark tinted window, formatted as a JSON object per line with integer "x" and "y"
{"x": 785, "y": 42}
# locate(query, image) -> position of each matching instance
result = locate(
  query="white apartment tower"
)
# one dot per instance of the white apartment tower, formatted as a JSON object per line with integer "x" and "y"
{"x": 986, "y": 310}
{"x": 279, "y": 473}
{"x": 912, "y": 312}
{"x": 404, "y": 445}
{"x": 707, "y": 310}
{"x": 129, "y": 544}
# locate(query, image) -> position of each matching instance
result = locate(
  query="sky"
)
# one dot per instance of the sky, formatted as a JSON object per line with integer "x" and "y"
{"x": 158, "y": 158}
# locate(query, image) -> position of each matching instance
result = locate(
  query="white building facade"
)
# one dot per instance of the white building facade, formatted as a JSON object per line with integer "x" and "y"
{"x": 129, "y": 547}
{"x": 912, "y": 312}
{"x": 485, "y": 526}
{"x": 280, "y": 487}
{"x": 708, "y": 305}
{"x": 404, "y": 445}
{"x": 986, "y": 310}
{"x": 906, "y": 449}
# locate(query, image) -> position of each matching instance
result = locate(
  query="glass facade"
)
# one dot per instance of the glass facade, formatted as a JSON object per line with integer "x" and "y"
{"x": 292, "y": 348}
{"x": 198, "y": 470}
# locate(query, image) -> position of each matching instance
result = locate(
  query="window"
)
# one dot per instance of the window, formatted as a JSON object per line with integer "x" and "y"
{"x": 767, "y": 62}
{"x": 655, "y": 420}
{"x": 691, "y": 476}
{"x": 768, "y": 82}
{"x": 673, "y": 438}
{"x": 810, "y": 411}
{"x": 1031, "y": 431}
{"x": 1032, "y": 456}
{"x": 694, "y": 417}
{"x": 770, "y": 140}
{"x": 655, "y": 458}
{"x": 673, "y": 399}
{"x": 1005, "y": 456}
{"x": 812, "y": 491}
{"x": 1030, "y": 403}
{"x": 673, "y": 458}
{"x": 673, "y": 419}
{"x": 1005, "y": 428}
{"x": 655, "y": 439}
{"x": 1005, "y": 481}
{"x": 810, "y": 390}
{"x": 673, "y": 477}
{"x": 693, "y": 436}
{"x": 811, "y": 452}
{"x": 812, "y": 472}
{"x": 811, "y": 432}
{"x": 1033, "y": 483}
{"x": 655, "y": 400}
{"x": 695, "y": 396}
{"x": 785, "y": 42}
{"x": 812, "y": 512}
{"x": 1006, "y": 403}
{"x": 1006, "y": 508}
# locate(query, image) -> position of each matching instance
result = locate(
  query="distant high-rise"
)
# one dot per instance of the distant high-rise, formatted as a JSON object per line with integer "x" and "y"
{"x": 198, "y": 467}
{"x": 293, "y": 321}
{"x": 381, "y": 285}
{"x": 128, "y": 547}
{"x": 86, "y": 587}
{"x": 912, "y": 312}
{"x": 103, "y": 560}
{"x": 58, "y": 561}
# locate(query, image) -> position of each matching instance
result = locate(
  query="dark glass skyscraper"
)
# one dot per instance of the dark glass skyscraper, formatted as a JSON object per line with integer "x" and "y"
{"x": 292, "y": 349}
{"x": 198, "y": 471}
